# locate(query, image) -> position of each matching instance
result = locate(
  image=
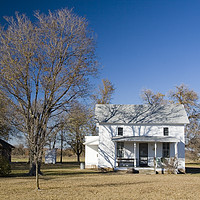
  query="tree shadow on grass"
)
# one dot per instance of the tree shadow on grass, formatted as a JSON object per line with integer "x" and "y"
{"x": 192, "y": 170}
{"x": 67, "y": 173}
{"x": 117, "y": 184}
{"x": 21, "y": 169}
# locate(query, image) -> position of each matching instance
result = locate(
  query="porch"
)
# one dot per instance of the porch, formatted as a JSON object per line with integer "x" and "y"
{"x": 144, "y": 151}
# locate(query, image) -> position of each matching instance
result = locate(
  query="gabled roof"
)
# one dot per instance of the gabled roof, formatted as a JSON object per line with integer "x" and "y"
{"x": 6, "y": 144}
{"x": 141, "y": 114}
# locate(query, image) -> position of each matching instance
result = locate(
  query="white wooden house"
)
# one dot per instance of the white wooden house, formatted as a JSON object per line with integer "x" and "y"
{"x": 135, "y": 135}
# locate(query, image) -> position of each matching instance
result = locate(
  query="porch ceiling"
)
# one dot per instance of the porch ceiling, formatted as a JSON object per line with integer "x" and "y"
{"x": 144, "y": 139}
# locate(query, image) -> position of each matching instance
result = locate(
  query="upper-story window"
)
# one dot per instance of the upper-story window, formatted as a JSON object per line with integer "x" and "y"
{"x": 120, "y": 131}
{"x": 165, "y": 131}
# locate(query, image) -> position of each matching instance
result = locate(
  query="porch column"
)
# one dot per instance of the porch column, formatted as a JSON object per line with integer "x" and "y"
{"x": 155, "y": 154}
{"x": 134, "y": 145}
{"x": 176, "y": 149}
{"x": 176, "y": 157}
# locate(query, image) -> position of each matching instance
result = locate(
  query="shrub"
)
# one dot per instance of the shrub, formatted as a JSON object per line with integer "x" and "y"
{"x": 5, "y": 168}
{"x": 170, "y": 164}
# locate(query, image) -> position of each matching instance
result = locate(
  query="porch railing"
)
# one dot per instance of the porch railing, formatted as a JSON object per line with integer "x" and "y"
{"x": 129, "y": 162}
{"x": 125, "y": 162}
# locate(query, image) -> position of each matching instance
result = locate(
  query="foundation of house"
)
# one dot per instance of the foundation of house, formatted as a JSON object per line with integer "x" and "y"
{"x": 146, "y": 170}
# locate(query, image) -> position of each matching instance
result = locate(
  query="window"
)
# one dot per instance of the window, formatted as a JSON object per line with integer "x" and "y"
{"x": 166, "y": 131}
{"x": 166, "y": 150}
{"x": 120, "y": 149}
{"x": 120, "y": 131}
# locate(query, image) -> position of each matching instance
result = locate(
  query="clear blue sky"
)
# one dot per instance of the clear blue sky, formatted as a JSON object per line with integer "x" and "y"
{"x": 140, "y": 44}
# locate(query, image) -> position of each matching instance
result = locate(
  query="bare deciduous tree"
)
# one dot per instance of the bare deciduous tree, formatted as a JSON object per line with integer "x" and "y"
{"x": 77, "y": 127}
{"x": 189, "y": 98}
{"x": 43, "y": 67}
{"x": 149, "y": 97}
{"x": 103, "y": 96}
{"x": 105, "y": 92}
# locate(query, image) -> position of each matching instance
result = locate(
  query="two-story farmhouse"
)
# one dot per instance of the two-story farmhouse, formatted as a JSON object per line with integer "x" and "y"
{"x": 136, "y": 135}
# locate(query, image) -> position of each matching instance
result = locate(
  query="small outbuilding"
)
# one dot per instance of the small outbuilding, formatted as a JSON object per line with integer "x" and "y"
{"x": 91, "y": 151}
{"x": 6, "y": 149}
{"x": 50, "y": 156}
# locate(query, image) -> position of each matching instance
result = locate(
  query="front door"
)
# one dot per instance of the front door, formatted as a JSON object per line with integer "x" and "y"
{"x": 143, "y": 154}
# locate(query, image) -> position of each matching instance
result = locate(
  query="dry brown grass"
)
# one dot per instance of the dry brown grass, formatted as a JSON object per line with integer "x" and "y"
{"x": 88, "y": 184}
{"x": 19, "y": 158}
{"x": 67, "y": 181}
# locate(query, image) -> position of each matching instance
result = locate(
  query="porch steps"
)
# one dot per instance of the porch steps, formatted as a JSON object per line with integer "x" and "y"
{"x": 146, "y": 171}
{"x": 136, "y": 170}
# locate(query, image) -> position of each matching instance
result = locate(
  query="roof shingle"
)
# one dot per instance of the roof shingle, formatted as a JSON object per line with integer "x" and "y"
{"x": 141, "y": 114}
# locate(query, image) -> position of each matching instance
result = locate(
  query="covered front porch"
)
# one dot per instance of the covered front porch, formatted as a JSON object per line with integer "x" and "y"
{"x": 144, "y": 151}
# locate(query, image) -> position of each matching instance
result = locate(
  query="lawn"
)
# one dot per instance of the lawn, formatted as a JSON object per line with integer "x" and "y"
{"x": 67, "y": 181}
{"x": 73, "y": 158}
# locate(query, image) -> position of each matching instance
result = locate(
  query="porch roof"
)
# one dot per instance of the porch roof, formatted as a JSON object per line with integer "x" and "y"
{"x": 91, "y": 140}
{"x": 144, "y": 139}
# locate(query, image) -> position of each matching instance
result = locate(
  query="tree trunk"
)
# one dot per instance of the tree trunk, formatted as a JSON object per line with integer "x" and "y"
{"x": 61, "y": 147}
{"x": 35, "y": 170}
{"x": 32, "y": 171}
{"x": 78, "y": 150}
{"x": 78, "y": 158}
{"x": 37, "y": 175}
{"x": 54, "y": 143}
{"x": 30, "y": 158}
{"x": 33, "y": 163}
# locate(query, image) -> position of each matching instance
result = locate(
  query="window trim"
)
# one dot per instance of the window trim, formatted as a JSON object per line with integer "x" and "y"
{"x": 122, "y": 133}
{"x": 166, "y": 131}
